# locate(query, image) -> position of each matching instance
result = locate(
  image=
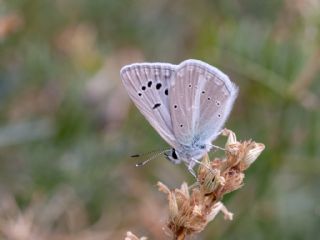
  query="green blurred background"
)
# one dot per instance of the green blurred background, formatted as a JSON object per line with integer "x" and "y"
{"x": 67, "y": 126}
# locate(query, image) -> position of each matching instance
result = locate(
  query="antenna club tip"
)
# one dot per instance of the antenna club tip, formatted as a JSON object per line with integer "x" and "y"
{"x": 140, "y": 164}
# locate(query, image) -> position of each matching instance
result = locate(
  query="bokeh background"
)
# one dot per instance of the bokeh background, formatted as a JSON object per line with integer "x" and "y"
{"x": 67, "y": 126}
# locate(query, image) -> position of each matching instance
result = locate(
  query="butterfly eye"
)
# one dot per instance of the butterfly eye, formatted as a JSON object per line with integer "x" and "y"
{"x": 174, "y": 154}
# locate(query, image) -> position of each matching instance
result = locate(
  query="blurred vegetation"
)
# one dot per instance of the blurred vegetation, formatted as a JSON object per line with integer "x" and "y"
{"x": 67, "y": 126}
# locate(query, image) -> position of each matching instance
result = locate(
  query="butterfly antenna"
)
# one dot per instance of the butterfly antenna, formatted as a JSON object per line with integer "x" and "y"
{"x": 151, "y": 158}
{"x": 147, "y": 153}
{"x": 140, "y": 164}
{"x": 203, "y": 165}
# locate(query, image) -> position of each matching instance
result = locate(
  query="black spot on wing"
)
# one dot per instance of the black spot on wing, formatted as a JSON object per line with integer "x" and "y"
{"x": 149, "y": 83}
{"x": 156, "y": 105}
{"x": 166, "y": 92}
{"x": 143, "y": 88}
{"x": 158, "y": 86}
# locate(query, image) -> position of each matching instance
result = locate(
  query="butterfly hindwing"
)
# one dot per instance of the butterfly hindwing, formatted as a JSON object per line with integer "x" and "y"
{"x": 200, "y": 101}
{"x": 148, "y": 86}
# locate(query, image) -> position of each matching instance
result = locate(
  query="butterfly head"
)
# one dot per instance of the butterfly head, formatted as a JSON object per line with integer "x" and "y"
{"x": 173, "y": 156}
{"x": 186, "y": 153}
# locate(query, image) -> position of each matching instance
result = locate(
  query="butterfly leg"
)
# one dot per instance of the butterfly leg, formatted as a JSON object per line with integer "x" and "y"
{"x": 217, "y": 147}
{"x": 195, "y": 161}
{"x": 190, "y": 166}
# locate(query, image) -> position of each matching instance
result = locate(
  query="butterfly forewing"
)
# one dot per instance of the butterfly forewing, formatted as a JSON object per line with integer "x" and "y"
{"x": 148, "y": 86}
{"x": 200, "y": 101}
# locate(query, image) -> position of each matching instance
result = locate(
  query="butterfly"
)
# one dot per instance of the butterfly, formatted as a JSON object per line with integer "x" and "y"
{"x": 187, "y": 104}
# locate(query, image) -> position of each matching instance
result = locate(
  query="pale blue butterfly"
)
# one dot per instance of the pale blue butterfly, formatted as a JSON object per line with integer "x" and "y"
{"x": 187, "y": 104}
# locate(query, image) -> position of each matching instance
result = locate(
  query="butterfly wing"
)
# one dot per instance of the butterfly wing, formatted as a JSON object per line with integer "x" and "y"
{"x": 148, "y": 86}
{"x": 200, "y": 101}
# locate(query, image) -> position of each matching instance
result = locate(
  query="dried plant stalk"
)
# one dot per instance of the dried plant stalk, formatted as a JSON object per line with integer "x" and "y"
{"x": 190, "y": 210}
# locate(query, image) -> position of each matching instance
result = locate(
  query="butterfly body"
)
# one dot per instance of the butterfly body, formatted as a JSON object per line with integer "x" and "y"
{"x": 187, "y": 104}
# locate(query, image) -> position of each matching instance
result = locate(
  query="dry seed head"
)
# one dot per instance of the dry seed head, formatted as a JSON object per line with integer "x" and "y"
{"x": 184, "y": 191}
{"x": 209, "y": 175}
{"x": 235, "y": 153}
{"x": 253, "y": 151}
{"x": 173, "y": 205}
{"x": 216, "y": 209}
{"x": 211, "y": 181}
{"x": 242, "y": 153}
{"x": 232, "y": 138}
{"x": 197, "y": 210}
{"x": 194, "y": 212}
{"x": 190, "y": 212}
{"x": 204, "y": 167}
{"x": 234, "y": 180}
